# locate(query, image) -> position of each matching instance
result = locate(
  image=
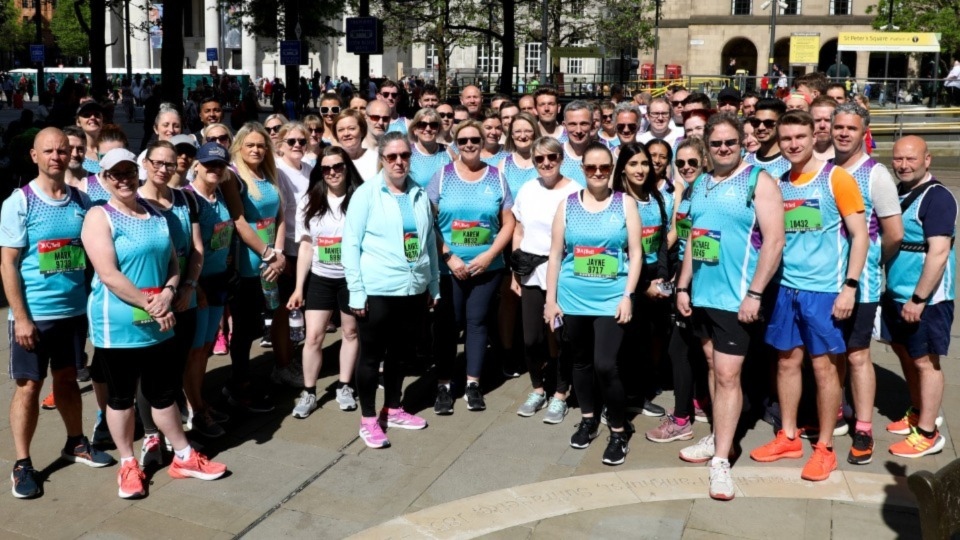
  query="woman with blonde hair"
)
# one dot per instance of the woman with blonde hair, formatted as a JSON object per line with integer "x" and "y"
{"x": 429, "y": 156}
{"x": 315, "y": 139}
{"x": 272, "y": 125}
{"x": 350, "y": 129}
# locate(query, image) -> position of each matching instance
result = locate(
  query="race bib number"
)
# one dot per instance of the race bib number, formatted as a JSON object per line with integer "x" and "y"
{"x": 470, "y": 233}
{"x": 59, "y": 256}
{"x": 328, "y": 249}
{"x": 140, "y": 316}
{"x": 222, "y": 235}
{"x": 596, "y": 262}
{"x": 267, "y": 230}
{"x": 802, "y": 215}
{"x": 411, "y": 246}
{"x": 683, "y": 226}
{"x": 650, "y": 239}
{"x": 705, "y": 245}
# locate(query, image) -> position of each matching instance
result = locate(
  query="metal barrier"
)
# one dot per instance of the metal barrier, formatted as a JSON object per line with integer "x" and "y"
{"x": 912, "y": 121}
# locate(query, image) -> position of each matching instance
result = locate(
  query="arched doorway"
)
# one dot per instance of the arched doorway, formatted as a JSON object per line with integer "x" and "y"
{"x": 743, "y": 51}
{"x": 828, "y": 57}
{"x": 781, "y": 54}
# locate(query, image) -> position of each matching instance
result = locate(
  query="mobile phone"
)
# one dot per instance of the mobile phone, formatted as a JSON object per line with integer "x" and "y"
{"x": 665, "y": 287}
{"x": 557, "y": 322}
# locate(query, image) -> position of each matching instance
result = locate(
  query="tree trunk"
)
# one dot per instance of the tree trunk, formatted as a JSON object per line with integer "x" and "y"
{"x": 171, "y": 55}
{"x": 98, "y": 49}
{"x": 508, "y": 44}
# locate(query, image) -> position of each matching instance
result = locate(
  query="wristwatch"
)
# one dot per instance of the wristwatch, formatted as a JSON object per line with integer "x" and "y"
{"x": 447, "y": 256}
{"x": 917, "y": 300}
{"x": 172, "y": 289}
{"x": 852, "y": 283}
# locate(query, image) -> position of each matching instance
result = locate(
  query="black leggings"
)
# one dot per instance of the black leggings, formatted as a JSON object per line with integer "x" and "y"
{"x": 643, "y": 346}
{"x": 593, "y": 345}
{"x": 464, "y": 304}
{"x": 689, "y": 366}
{"x": 387, "y": 334}
{"x": 246, "y": 306}
{"x": 183, "y": 333}
{"x": 545, "y": 371}
{"x": 159, "y": 379}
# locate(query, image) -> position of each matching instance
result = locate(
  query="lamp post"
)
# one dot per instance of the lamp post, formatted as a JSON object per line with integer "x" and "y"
{"x": 774, "y": 6}
{"x": 543, "y": 43}
{"x": 656, "y": 37}
{"x": 888, "y": 26}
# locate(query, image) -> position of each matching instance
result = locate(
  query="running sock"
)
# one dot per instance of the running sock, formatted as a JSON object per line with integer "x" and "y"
{"x": 866, "y": 427}
{"x": 719, "y": 461}
{"x": 927, "y": 434}
{"x": 312, "y": 390}
{"x": 25, "y": 462}
{"x": 341, "y": 384}
{"x": 124, "y": 460}
{"x": 184, "y": 454}
{"x": 681, "y": 421}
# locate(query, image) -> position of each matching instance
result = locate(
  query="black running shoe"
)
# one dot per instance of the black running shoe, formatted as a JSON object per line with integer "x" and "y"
{"x": 444, "y": 404}
{"x": 617, "y": 448}
{"x": 587, "y": 430}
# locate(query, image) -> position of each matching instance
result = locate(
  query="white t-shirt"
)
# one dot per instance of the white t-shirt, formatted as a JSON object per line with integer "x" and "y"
{"x": 366, "y": 165}
{"x": 671, "y": 138}
{"x": 535, "y": 207}
{"x": 325, "y": 234}
{"x": 293, "y": 184}
{"x": 953, "y": 78}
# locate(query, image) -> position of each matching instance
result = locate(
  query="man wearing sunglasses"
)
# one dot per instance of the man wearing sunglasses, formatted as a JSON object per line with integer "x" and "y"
{"x": 675, "y": 100}
{"x": 389, "y": 95}
{"x": 627, "y": 122}
{"x": 378, "y": 121}
{"x": 548, "y": 109}
{"x": 764, "y": 122}
{"x": 658, "y": 115}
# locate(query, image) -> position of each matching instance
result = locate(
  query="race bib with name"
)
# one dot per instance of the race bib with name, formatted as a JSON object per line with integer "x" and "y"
{"x": 59, "y": 256}
{"x": 470, "y": 233}
{"x": 140, "y": 316}
{"x": 328, "y": 249}
{"x": 596, "y": 262}
{"x": 222, "y": 234}
{"x": 267, "y": 230}
{"x": 802, "y": 215}
{"x": 705, "y": 245}
{"x": 683, "y": 226}
{"x": 411, "y": 246}
{"x": 650, "y": 239}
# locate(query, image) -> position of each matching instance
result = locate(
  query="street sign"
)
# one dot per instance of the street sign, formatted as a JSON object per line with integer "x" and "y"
{"x": 290, "y": 53}
{"x": 364, "y": 35}
{"x": 888, "y": 41}
{"x": 36, "y": 53}
{"x": 804, "y": 48}
{"x": 591, "y": 51}
{"x": 212, "y": 54}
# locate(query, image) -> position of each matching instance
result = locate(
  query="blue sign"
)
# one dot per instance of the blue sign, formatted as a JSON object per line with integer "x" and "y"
{"x": 212, "y": 54}
{"x": 36, "y": 53}
{"x": 364, "y": 35}
{"x": 290, "y": 53}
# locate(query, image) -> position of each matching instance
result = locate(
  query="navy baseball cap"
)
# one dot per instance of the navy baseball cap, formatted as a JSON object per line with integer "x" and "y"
{"x": 212, "y": 152}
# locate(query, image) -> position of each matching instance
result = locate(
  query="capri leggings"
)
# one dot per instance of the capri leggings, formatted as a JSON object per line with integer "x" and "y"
{"x": 545, "y": 371}
{"x": 464, "y": 304}
{"x": 122, "y": 368}
{"x": 183, "y": 333}
{"x": 593, "y": 345}
{"x": 689, "y": 366}
{"x": 246, "y": 306}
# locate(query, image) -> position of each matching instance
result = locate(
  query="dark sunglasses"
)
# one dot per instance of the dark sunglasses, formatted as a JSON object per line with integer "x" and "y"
{"x": 329, "y": 110}
{"x": 626, "y": 128}
{"x": 677, "y": 103}
{"x": 458, "y": 120}
{"x": 222, "y": 139}
{"x": 724, "y": 102}
{"x": 606, "y": 117}
{"x": 546, "y": 157}
{"x": 389, "y": 94}
{"x": 315, "y": 130}
{"x": 680, "y": 163}
{"x": 88, "y": 114}
{"x": 591, "y": 170}
{"x": 377, "y": 118}
{"x": 445, "y": 115}
{"x": 730, "y": 143}
{"x": 462, "y": 141}
{"x": 336, "y": 167}
{"x": 403, "y": 156}
{"x": 755, "y": 122}
{"x": 292, "y": 142}
{"x": 272, "y": 129}
{"x": 432, "y": 125}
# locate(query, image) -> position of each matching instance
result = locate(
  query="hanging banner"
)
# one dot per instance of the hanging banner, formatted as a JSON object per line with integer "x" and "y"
{"x": 155, "y": 20}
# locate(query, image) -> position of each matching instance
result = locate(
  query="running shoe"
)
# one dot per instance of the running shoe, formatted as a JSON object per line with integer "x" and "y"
{"x": 909, "y": 421}
{"x": 101, "y": 432}
{"x": 721, "y": 483}
{"x": 48, "y": 403}
{"x": 305, "y": 405}
{"x": 840, "y": 429}
{"x": 196, "y": 466}
{"x": 217, "y": 416}
{"x": 916, "y": 445}
{"x": 779, "y": 448}
{"x": 26, "y": 482}
{"x": 861, "y": 452}
{"x": 346, "y": 399}
{"x": 83, "y": 375}
{"x": 399, "y": 418}
{"x": 444, "y": 402}
{"x": 556, "y": 410}
{"x": 669, "y": 430}
{"x": 617, "y": 448}
{"x": 820, "y": 465}
{"x": 204, "y": 425}
{"x": 287, "y": 375}
{"x": 88, "y": 455}
{"x": 648, "y": 408}
{"x": 474, "y": 397}
{"x": 699, "y": 413}
{"x": 372, "y": 433}
{"x": 587, "y": 430}
{"x": 130, "y": 479}
{"x": 247, "y": 398}
{"x": 534, "y": 403}
{"x": 701, "y": 452}
{"x": 221, "y": 347}
{"x": 509, "y": 367}
{"x": 151, "y": 451}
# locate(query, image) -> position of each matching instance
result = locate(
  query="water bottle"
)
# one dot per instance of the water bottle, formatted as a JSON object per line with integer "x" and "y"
{"x": 271, "y": 295}
{"x": 297, "y": 332}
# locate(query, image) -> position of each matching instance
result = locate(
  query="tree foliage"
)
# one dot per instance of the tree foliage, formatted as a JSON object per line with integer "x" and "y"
{"x": 13, "y": 33}
{"x": 67, "y": 30}
{"x": 940, "y": 16}
{"x": 266, "y": 18}
{"x": 626, "y": 24}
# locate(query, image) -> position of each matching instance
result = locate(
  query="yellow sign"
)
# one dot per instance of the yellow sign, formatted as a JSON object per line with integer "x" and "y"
{"x": 804, "y": 49}
{"x": 591, "y": 51}
{"x": 888, "y": 41}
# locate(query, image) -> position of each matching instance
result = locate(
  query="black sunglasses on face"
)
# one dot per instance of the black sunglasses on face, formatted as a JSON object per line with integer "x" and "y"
{"x": 546, "y": 157}
{"x": 432, "y": 125}
{"x": 626, "y": 128}
{"x": 336, "y": 167}
{"x": 294, "y": 142}
{"x": 445, "y": 115}
{"x": 694, "y": 163}
{"x": 272, "y": 129}
{"x": 756, "y": 122}
{"x": 463, "y": 141}
{"x": 730, "y": 143}
{"x": 222, "y": 139}
{"x": 389, "y": 94}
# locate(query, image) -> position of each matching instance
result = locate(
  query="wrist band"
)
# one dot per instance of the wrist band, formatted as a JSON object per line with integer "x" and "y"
{"x": 754, "y": 294}
{"x": 683, "y": 289}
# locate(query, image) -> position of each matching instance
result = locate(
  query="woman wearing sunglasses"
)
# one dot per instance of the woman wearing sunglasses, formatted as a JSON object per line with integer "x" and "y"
{"x": 272, "y": 125}
{"x": 350, "y": 129}
{"x": 253, "y": 198}
{"x": 534, "y": 207}
{"x": 429, "y": 156}
{"x": 445, "y": 112}
{"x": 319, "y": 228}
{"x": 472, "y": 203}
{"x": 330, "y": 107}
{"x": 590, "y": 291}
{"x": 492, "y": 151}
{"x": 218, "y": 133}
{"x": 389, "y": 258}
{"x": 314, "y": 127}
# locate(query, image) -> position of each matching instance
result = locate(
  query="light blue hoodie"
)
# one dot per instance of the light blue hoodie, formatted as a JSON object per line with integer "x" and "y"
{"x": 372, "y": 252}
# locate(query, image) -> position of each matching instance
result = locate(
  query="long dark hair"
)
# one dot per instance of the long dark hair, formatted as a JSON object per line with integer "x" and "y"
{"x": 666, "y": 145}
{"x": 647, "y": 190}
{"x": 317, "y": 204}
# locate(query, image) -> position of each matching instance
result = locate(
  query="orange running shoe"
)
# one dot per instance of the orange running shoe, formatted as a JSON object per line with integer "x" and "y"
{"x": 820, "y": 465}
{"x": 779, "y": 448}
{"x": 130, "y": 479}
{"x": 48, "y": 403}
{"x": 909, "y": 421}
{"x": 916, "y": 445}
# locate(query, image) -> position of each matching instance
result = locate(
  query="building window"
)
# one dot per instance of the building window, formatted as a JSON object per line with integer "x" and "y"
{"x": 742, "y": 7}
{"x": 841, "y": 7}
{"x": 432, "y": 59}
{"x": 531, "y": 61}
{"x": 575, "y": 66}
{"x": 487, "y": 63}
{"x": 793, "y": 7}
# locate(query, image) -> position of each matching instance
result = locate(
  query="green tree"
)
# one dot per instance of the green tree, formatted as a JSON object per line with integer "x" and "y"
{"x": 68, "y": 32}
{"x": 13, "y": 33}
{"x": 939, "y": 16}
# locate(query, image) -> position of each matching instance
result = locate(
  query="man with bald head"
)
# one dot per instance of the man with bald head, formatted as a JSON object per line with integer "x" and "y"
{"x": 378, "y": 121}
{"x": 472, "y": 99}
{"x": 917, "y": 308}
{"x": 42, "y": 265}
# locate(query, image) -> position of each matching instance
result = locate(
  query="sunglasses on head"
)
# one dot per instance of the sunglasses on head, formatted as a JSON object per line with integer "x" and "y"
{"x": 730, "y": 143}
{"x": 445, "y": 115}
{"x": 432, "y": 125}
{"x": 626, "y": 128}
{"x": 756, "y": 122}
{"x": 329, "y": 110}
{"x": 336, "y": 167}
{"x": 694, "y": 163}
{"x": 403, "y": 156}
{"x": 546, "y": 157}
{"x": 273, "y": 129}
{"x": 294, "y": 142}
{"x": 222, "y": 139}
{"x": 592, "y": 170}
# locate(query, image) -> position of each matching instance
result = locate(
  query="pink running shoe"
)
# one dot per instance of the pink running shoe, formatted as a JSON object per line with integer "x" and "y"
{"x": 220, "y": 347}
{"x": 372, "y": 434}
{"x": 400, "y": 418}
{"x": 196, "y": 466}
{"x": 130, "y": 479}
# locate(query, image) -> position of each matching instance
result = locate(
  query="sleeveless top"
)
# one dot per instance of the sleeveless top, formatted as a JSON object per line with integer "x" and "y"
{"x": 216, "y": 230}
{"x": 261, "y": 214}
{"x": 423, "y": 167}
{"x": 515, "y": 175}
{"x": 870, "y": 278}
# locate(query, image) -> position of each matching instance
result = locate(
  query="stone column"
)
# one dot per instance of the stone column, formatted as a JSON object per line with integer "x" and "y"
{"x": 211, "y": 29}
{"x": 248, "y": 51}
{"x": 139, "y": 42}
